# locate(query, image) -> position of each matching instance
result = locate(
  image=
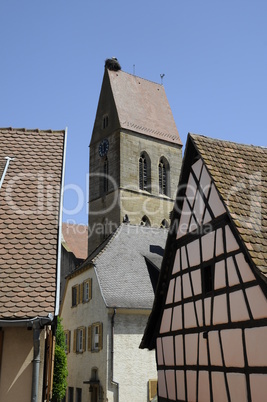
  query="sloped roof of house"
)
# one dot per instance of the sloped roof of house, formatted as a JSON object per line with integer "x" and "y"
{"x": 240, "y": 175}
{"x": 75, "y": 239}
{"x": 143, "y": 106}
{"x": 121, "y": 265}
{"x": 29, "y": 219}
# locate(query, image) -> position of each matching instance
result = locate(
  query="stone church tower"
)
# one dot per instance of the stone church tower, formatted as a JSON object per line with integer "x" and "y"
{"x": 135, "y": 155}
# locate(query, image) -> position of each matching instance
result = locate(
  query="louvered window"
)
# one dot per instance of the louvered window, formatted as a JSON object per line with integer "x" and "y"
{"x": 142, "y": 172}
{"x": 162, "y": 178}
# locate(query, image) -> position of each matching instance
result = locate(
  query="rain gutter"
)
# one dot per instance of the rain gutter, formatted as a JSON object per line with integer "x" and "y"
{"x": 112, "y": 353}
{"x": 60, "y": 226}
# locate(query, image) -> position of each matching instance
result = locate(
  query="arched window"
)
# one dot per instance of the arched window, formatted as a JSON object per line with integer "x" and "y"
{"x": 105, "y": 176}
{"x": 164, "y": 224}
{"x": 142, "y": 172}
{"x": 163, "y": 176}
{"x": 145, "y": 221}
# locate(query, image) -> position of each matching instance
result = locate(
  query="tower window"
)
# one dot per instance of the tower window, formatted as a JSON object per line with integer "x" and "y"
{"x": 164, "y": 224}
{"x": 142, "y": 172}
{"x": 105, "y": 121}
{"x": 163, "y": 176}
{"x": 105, "y": 176}
{"x": 145, "y": 221}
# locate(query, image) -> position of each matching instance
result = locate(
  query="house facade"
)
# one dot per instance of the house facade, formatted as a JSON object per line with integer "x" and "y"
{"x": 209, "y": 319}
{"x": 105, "y": 309}
{"x": 31, "y": 181}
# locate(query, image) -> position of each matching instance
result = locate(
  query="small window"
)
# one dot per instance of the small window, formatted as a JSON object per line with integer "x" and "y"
{"x": 87, "y": 290}
{"x": 207, "y": 279}
{"x": 164, "y": 224}
{"x": 105, "y": 121}
{"x": 67, "y": 341}
{"x": 75, "y": 295}
{"x": 145, "y": 221}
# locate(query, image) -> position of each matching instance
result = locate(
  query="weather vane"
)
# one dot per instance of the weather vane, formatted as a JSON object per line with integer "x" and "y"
{"x": 162, "y": 76}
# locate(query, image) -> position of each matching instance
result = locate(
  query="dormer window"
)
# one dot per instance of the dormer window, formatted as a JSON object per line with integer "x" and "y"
{"x": 105, "y": 121}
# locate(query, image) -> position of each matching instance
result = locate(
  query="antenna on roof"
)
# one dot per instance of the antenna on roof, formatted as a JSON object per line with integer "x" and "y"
{"x": 162, "y": 76}
{"x": 134, "y": 69}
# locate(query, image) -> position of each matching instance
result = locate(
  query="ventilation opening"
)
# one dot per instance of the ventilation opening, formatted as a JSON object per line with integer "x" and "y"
{"x": 207, "y": 279}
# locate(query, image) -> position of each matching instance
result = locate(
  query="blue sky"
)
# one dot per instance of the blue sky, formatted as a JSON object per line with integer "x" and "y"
{"x": 213, "y": 54}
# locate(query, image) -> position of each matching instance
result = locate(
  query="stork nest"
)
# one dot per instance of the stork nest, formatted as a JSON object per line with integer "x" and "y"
{"x": 112, "y": 64}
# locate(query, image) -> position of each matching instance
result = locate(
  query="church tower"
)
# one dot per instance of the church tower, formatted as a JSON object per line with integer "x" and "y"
{"x": 135, "y": 155}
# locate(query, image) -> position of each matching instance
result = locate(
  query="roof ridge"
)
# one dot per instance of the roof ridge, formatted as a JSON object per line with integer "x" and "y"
{"x": 226, "y": 141}
{"x": 33, "y": 130}
{"x": 144, "y": 79}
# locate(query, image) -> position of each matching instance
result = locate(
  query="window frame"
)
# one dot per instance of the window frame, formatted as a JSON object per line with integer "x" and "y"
{"x": 87, "y": 284}
{"x": 92, "y": 345}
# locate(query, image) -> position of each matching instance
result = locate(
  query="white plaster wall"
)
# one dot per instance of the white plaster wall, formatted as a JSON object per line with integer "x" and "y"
{"x": 80, "y": 364}
{"x": 133, "y": 367}
{"x": 16, "y": 365}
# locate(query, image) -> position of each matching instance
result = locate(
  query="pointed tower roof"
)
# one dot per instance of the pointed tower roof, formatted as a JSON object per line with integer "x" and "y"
{"x": 141, "y": 106}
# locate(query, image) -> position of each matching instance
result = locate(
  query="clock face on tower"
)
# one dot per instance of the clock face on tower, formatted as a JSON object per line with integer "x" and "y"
{"x": 103, "y": 147}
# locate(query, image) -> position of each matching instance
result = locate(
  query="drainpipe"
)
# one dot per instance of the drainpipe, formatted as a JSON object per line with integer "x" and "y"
{"x": 37, "y": 328}
{"x": 36, "y": 362}
{"x": 112, "y": 354}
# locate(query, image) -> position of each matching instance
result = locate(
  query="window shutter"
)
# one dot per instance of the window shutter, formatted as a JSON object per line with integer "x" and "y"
{"x": 89, "y": 338}
{"x": 69, "y": 341}
{"x": 80, "y": 300}
{"x": 75, "y": 340}
{"x": 100, "y": 341}
{"x": 84, "y": 339}
{"x": 152, "y": 389}
{"x": 90, "y": 288}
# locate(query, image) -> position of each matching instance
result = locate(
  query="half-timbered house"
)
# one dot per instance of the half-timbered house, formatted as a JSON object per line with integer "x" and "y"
{"x": 209, "y": 319}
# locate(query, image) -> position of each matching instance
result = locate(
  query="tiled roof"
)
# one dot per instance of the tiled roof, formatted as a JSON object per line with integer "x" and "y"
{"x": 240, "y": 174}
{"x": 142, "y": 106}
{"x": 29, "y": 210}
{"x": 75, "y": 239}
{"x": 121, "y": 266}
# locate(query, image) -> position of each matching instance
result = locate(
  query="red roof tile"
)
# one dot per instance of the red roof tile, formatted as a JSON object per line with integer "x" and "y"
{"x": 142, "y": 106}
{"x": 240, "y": 174}
{"x": 29, "y": 209}
{"x": 75, "y": 239}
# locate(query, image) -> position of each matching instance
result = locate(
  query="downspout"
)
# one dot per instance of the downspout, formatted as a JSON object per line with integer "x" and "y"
{"x": 36, "y": 362}
{"x": 37, "y": 328}
{"x": 112, "y": 354}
